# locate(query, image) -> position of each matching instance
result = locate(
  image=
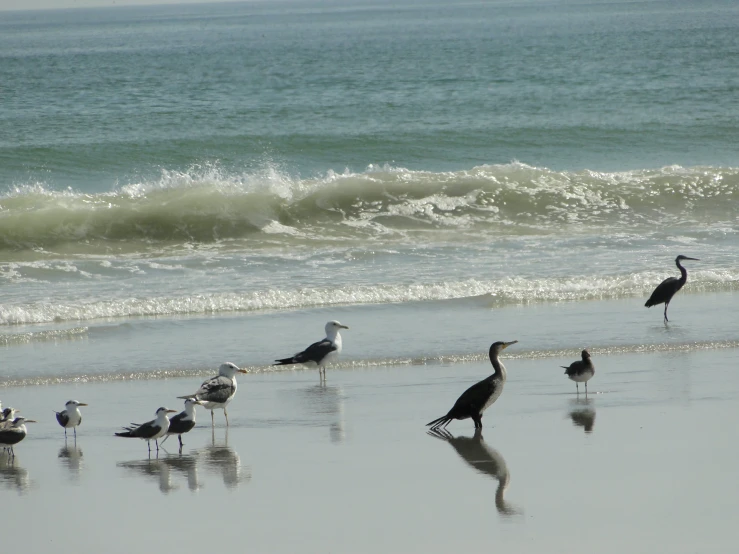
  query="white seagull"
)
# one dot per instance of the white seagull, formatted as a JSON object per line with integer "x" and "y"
{"x": 184, "y": 421}
{"x": 70, "y": 416}
{"x": 151, "y": 430}
{"x": 14, "y": 433}
{"x": 7, "y": 416}
{"x": 319, "y": 353}
{"x": 216, "y": 392}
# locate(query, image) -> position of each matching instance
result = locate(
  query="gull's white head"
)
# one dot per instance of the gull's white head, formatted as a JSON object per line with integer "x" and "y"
{"x": 9, "y": 414}
{"x": 229, "y": 370}
{"x": 72, "y": 404}
{"x": 333, "y": 327}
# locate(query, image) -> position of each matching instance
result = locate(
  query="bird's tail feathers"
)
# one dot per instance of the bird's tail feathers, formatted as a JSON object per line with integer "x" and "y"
{"x": 286, "y": 361}
{"x": 439, "y": 422}
{"x": 126, "y": 434}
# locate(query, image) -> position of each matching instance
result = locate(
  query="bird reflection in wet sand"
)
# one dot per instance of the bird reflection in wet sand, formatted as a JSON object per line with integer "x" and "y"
{"x": 327, "y": 404}
{"x": 155, "y": 469}
{"x": 12, "y": 475}
{"x": 219, "y": 458}
{"x": 216, "y": 459}
{"x": 583, "y": 415}
{"x": 485, "y": 460}
{"x": 71, "y": 457}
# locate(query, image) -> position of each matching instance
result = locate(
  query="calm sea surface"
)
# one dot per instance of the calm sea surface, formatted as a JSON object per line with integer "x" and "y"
{"x": 175, "y": 180}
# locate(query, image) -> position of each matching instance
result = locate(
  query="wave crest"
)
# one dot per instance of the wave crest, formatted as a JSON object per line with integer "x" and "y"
{"x": 206, "y": 205}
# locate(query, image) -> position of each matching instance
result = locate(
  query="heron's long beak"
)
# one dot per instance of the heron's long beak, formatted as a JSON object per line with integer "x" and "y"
{"x": 82, "y": 404}
{"x": 694, "y": 259}
{"x": 30, "y": 421}
{"x": 343, "y": 326}
{"x": 507, "y": 344}
{"x": 171, "y": 411}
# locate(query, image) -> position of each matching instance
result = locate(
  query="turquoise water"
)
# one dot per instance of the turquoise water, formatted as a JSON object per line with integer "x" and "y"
{"x": 174, "y": 171}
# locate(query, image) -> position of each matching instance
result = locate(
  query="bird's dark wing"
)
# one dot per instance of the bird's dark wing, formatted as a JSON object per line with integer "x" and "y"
{"x": 314, "y": 353}
{"x": 575, "y": 368}
{"x": 11, "y": 436}
{"x": 179, "y": 426}
{"x": 473, "y": 399}
{"x": 664, "y": 291}
{"x": 145, "y": 431}
{"x": 216, "y": 389}
{"x": 62, "y": 418}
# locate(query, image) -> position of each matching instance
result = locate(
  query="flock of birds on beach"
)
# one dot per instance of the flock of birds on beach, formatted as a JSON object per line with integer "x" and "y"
{"x": 217, "y": 392}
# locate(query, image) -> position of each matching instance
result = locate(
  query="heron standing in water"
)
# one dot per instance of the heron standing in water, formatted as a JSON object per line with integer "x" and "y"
{"x": 669, "y": 287}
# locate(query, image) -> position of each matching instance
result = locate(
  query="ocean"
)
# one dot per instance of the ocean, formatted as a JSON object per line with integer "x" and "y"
{"x": 175, "y": 175}
{"x": 186, "y": 185}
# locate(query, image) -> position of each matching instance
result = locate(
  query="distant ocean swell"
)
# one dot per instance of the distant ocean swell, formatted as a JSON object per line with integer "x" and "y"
{"x": 206, "y": 205}
{"x": 514, "y": 290}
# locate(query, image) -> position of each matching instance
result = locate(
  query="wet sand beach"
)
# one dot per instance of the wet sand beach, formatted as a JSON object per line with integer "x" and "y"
{"x": 645, "y": 462}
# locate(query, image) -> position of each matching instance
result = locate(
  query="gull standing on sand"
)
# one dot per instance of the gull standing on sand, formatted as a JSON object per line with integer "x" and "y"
{"x": 319, "y": 353}
{"x": 218, "y": 391}
{"x": 151, "y": 430}
{"x": 478, "y": 398}
{"x": 581, "y": 371}
{"x": 184, "y": 421}
{"x": 14, "y": 433}
{"x": 70, "y": 416}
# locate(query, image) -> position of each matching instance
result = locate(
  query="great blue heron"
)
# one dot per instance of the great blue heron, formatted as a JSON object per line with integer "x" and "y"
{"x": 319, "y": 353}
{"x": 667, "y": 288}
{"x": 476, "y": 399}
{"x": 581, "y": 371}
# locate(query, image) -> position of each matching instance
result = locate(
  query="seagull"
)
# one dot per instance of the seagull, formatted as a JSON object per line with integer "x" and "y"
{"x": 319, "y": 353}
{"x": 184, "y": 421}
{"x": 70, "y": 416}
{"x": 14, "y": 433}
{"x": 151, "y": 430}
{"x": 581, "y": 371}
{"x": 216, "y": 392}
{"x": 476, "y": 399}
{"x": 7, "y": 416}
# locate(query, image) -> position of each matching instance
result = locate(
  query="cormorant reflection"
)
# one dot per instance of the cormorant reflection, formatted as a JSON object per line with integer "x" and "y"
{"x": 583, "y": 414}
{"x": 216, "y": 459}
{"x": 485, "y": 460}
{"x": 71, "y": 458}
{"x": 12, "y": 475}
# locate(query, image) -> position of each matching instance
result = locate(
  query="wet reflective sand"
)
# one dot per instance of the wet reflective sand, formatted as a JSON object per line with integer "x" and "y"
{"x": 348, "y": 466}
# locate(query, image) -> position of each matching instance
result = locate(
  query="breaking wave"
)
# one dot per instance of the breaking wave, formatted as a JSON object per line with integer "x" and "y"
{"x": 206, "y": 205}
